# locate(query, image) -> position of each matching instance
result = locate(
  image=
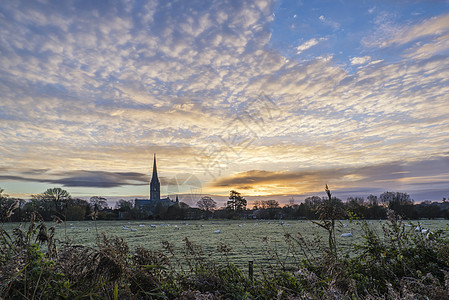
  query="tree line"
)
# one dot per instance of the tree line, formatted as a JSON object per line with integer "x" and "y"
{"x": 58, "y": 205}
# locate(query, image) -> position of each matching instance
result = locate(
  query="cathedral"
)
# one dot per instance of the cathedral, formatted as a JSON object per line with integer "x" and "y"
{"x": 155, "y": 204}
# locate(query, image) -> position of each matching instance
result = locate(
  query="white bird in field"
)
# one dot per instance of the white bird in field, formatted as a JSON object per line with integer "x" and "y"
{"x": 133, "y": 229}
{"x": 347, "y": 234}
{"x": 217, "y": 231}
{"x": 125, "y": 227}
{"x": 176, "y": 227}
{"x": 153, "y": 226}
{"x": 240, "y": 225}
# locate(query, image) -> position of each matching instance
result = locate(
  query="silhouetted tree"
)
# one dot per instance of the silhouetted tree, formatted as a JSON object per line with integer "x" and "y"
{"x": 206, "y": 203}
{"x": 57, "y": 196}
{"x": 356, "y": 205}
{"x": 272, "y": 204}
{"x": 124, "y": 208}
{"x": 236, "y": 202}
{"x": 76, "y": 213}
{"x": 124, "y": 205}
{"x": 98, "y": 203}
{"x": 372, "y": 200}
{"x": 177, "y": 211}
{"x": 77, "y": 209}
{"x": 52, "y": 202}
{"x": 430, "y": 210}
{"x": 309, "y": 207}
{"x": 401, "y": 203}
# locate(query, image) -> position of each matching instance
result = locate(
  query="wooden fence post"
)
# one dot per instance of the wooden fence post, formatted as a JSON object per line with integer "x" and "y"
{"x": 251, "y": 269}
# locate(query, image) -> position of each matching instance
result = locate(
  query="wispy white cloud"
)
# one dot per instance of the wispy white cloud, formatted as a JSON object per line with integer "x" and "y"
{"x": 360, "y": 60}
{"x": 308, "y": 44}
{"x": 421, "y": 40}
{"x": 326, "y": 21}
{"x": 433, "y": 27}
{"x": 438, "y": 46}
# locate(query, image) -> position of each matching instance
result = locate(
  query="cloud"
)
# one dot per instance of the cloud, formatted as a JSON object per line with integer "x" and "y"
{"x": 410, "y": 177}
{"x": 328, "y": 22}
{"x": 88, "y": 87}
{"x": 98, "y": 179}
{"x": 360, "y": 60}
{"x": 435, "y": 26}
{"x": 437, "y": 46}
{"x": 420, "y": 40}
{"x": 308, "y": 44}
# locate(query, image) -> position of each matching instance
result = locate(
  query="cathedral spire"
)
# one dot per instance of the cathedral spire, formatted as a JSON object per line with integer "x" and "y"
{"x": 154, "y": 178}
{"x": 155, "y": 186}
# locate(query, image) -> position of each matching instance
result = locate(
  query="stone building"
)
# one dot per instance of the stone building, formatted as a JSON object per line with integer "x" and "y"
{"x": 155, "y": 205}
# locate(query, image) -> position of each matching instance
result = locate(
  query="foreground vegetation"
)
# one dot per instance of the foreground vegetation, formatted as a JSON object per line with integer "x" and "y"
{"x": 398, "y": 264}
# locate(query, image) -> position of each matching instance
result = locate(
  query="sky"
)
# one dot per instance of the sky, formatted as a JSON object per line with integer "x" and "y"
{"x": 273, "y": 99}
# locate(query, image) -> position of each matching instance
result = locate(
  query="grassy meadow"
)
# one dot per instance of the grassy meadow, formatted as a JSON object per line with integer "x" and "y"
{"x": 262, "y": 241}
{"x": 294, "y": 259}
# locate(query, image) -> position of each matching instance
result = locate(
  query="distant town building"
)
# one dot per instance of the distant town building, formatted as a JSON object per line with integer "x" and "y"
{"x": 155, "y": 205}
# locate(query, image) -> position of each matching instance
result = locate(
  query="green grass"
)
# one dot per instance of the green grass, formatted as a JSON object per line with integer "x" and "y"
{"x": 248, "y": 242}
{"x": 386, "y": 259}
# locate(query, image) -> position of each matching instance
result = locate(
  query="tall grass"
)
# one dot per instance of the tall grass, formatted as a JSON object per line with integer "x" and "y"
{"x": 396, "y": 263}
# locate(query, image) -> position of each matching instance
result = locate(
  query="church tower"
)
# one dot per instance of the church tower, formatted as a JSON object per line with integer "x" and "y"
{"x": 155, "y": 186}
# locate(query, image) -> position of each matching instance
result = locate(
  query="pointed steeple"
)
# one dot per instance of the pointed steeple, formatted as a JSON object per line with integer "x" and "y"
{"x": 154, "y": 178}
{"x": 155, "y": 186}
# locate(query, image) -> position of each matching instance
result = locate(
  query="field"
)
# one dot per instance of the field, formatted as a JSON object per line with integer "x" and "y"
{"x": 294, "y": 258}
{"x": 262, "y": 241}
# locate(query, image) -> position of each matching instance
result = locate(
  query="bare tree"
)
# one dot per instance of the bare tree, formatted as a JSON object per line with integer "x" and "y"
{"x": 206, "y": 203}
{"x": 291, "y": 202}
{"x": 272, "y": 204}
{"x": 257, "y": 204}
{"x": 98, "y": 203}
{"x": 372, "y": 200}
{"x": 57, "y": 196}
